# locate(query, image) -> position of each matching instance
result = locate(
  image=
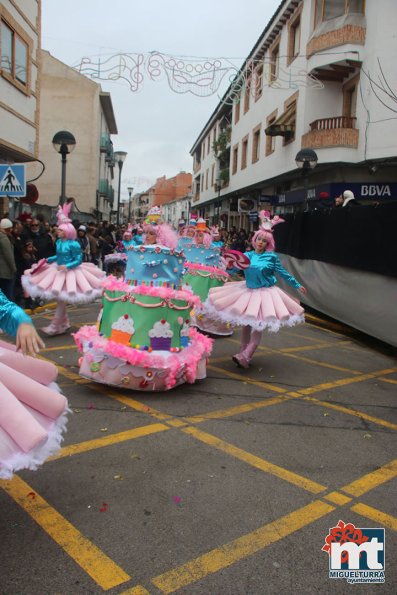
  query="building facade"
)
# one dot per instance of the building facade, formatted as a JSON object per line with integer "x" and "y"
{"x": 73, "y": 102}
{"x": 320, "y": 76}
{"x": 19, "y": 85}
{"x": 174, "y": 195}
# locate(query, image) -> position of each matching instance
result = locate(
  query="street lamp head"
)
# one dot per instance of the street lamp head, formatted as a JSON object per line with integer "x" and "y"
{"x": 119, "y": 157}
{"x": 64, "y": 142}
{"x": 306, "y": 159}
{"x": 130, "y": 190}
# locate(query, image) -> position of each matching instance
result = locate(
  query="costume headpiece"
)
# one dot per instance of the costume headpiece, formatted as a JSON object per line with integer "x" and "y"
{"x": 128, "y": 232}
{"x": 63, "y": 213}
{"x": 267, "y": 223}
{"x": 201, "y": 225}
{"x": 214, "y": 231}
{"x": 192, "y": 221}
{"x": 153, "y": 216}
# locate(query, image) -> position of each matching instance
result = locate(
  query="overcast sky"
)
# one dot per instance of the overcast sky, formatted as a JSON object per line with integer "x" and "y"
{"x": 156, "y": 126}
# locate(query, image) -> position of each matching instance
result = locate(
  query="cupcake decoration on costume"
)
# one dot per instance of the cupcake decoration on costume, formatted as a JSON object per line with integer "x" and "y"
{"x": 123, "y": 330}
{"x": 161, "y": 336}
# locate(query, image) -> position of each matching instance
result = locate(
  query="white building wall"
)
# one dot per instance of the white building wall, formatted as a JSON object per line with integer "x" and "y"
{"x": 70, "y": 101}
{"x": 18, "y": 110}
{"x": 377, "y": 126}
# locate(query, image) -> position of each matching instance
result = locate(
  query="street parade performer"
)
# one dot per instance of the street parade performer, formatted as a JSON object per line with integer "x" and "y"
{"x": 204, "y": 271}
{"x": 144, "y": 340}
{"x": 64, "y": 277}
{"x": 216, "y": 237}
{"x": 256, "y": 303}
{"x": 187, "y": 234}
{"x": 32, "y": 412}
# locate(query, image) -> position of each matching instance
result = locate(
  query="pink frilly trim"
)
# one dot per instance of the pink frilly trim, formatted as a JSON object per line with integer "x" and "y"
{"x": 189, "y": 357}
{"x": 203, "y": 267}
{"x": 113, "y": 284}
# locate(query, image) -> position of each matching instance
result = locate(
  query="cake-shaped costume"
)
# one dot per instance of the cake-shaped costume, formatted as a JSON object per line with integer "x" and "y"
{"x": 204, "y": 270}
{"x": 64, "y": 277}
{"x": 144, "y": 340}
{"x": 32, "y": 411}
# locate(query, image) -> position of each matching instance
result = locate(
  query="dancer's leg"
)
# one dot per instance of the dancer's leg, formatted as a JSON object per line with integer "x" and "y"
{"x": 243, "y": 358}
{"x": 58, "y": 323}
{"x": 239, "y": 358}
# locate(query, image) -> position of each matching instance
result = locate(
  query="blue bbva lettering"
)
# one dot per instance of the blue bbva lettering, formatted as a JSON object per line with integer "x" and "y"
{"x": 354, "y": 549}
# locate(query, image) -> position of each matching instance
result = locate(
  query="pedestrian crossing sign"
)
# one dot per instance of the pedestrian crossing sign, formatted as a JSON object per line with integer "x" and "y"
{"x": 12, "y": 180}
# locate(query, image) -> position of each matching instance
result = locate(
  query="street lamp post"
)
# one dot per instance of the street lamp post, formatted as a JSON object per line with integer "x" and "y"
{"x": 63, "y": 143}
{"x": 217, "y": 204}
{"x": 306, "y": 160}
{"x": 119, "y": 157}
{"x": 130, "y": 191}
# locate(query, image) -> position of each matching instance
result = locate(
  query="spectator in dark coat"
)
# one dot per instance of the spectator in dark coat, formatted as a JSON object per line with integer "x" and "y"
{"x": 42, "y": 240}
{"x": 8, "y": 268}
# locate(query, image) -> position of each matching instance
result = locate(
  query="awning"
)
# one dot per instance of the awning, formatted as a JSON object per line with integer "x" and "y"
{"x": 283, "y": 125}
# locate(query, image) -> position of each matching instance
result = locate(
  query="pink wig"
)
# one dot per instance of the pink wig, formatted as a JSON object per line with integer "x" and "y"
{"x": 127, "y": 235}
{"x": 69, "y": 229}
{"x": 187, "y": 229}
{"x": 64, "y": 223}
{"x": 207, "y": 239}
{"x": 266, "y": 235}
{"x": 165, "y": 235}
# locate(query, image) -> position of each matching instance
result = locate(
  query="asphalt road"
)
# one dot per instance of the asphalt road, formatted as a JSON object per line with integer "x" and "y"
{"x": 225, "y": 487}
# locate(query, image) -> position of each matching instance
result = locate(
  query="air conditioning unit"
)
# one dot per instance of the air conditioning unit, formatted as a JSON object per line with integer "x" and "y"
{"x": 246, "y": 205}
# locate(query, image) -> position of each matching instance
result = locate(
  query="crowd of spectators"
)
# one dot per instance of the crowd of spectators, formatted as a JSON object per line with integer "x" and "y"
{"x": 24, "y": 242}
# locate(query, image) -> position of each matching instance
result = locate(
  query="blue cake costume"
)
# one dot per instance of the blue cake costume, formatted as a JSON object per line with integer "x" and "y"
{"x": 144, "y": 340}
{"x": 203, "y": 273}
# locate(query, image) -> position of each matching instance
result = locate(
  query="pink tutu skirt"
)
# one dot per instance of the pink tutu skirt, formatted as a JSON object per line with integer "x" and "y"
{"x": 263, "y": 308}
{"x": 73, "y": 286}
{"x": 32, "y": 412}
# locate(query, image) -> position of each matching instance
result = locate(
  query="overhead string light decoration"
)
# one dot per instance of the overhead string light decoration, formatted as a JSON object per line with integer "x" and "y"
{"x": 200, "y": 76}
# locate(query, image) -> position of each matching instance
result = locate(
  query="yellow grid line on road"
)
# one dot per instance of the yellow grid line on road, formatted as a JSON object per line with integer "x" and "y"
{"x": 289, "y": 352}
{"x": 383, "y": 519}
{"x": 86, "y": 446}
{"x": 372, "y": 480}
{"x": 106, "y": 573}
{"x": 322, "y": 345}
{"x": 360, "y": 486}
{"x": 240, "y": 548}
{"x": 345, "y": 381}
{"x": 272, "y": 387}
{"x": 389, "y": 380}
{"x": 296, "y": 394}
{"x": 230, "y": 411}
{"x": 354, "y": 412}
{"x": 254, "y": 461}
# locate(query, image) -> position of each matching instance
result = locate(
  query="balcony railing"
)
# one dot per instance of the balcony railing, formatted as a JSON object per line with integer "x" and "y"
{"x": 333, "y": 123}
{"x": 105, "y": 141}
{"x": 103, "y": 187}
{"x": 339, "y": 131}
